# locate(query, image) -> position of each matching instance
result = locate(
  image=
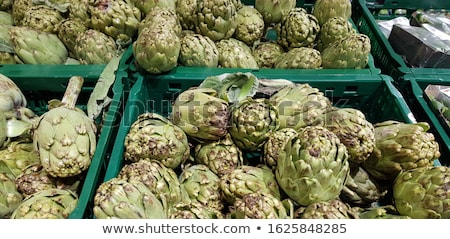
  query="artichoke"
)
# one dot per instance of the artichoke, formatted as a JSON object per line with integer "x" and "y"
{"x": 249, "y": 25}
{"x": 115, "y": 18}
{"x": 42, "y": 18}
{"x": 275, "y": 145}
{"x": 333, "y": 209}
{"x": 326, "y": 9}
{"x": 79, "y": 9}
{"x": 11, "y": 97}
{"x": 351, "y": 52}
{"x": 7, "y": 58}
{"x": 159, "y": 179}
{"x": 18, "y": 9}
{"x": 194, "y": 210}
{"x": 119, "y": 199}
{"x": 381, "y": 212}
{"x": 202, "y": 185}
{"x": 401, "y": 146}
{"x": 34, "y": 179}
{"x": 234, "y": 53}
{"x": 152, "y": 136}
{"x": 216, "y": 19}
{"x": 47, "y": 204}
{"x": 354, "y": 131}
{"x": 332, "y": 30}
{"x": 94, "y": 47}
{"x": 259, "y": 206}
{"x": 423, "y": 193}
{"x": 201, "y": 114}
{"x": 198, "y": 50}
{"x": 17, "y": 156}
{"x": 161, "y": 17}
{"x": 157, "y": 49}
{"x": 186, "y": 11}
{"x": 248, "y": 179}
{"x": 64, "y": 136}
{"x": 274, "y": 10}
{"x": 6, "y": 4}
{"x": 297, "y": 29}
{"x": 146, "y": 6}
{"x": 299, "y": 58}
{"x": 313, "y": 166}
{"x": 37, "y": 47}
{"x": 68, "y": 31}
{"x": 267, "y": 53}
{"x": 252, "y": 121}
{"x": 300, "y": 105}
{"x": 361, "y": 189}
{"x": 221, "y": 156}
{"x": 10, "y": 198}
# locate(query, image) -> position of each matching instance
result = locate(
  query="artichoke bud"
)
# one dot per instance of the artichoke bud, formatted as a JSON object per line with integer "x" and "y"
{"x": 234, "y": 53}
{"x": 323, "y": 10}
{"x": 216, "y": 18}
{"x": 299, "y": 58}
{"x": 297, "y": 29}
{"x": 43, "y": 18}
{"x": 249, "y": 25}
{"x": 351, "y": 52}
{"x": 259, "y": 206}
{"x": 161, "y": 17}
{"x": 274, "y": 10}
{"x": 333, "y": 209}
{"x": 333, "y": 30}
{"x": 187, "y": 13}
{"x": 201, "y": 114}
{"x": 194, "y": 210}
{"x": 10, "y": 198}
{"x": 267, "y": 53}
{"x": 95, "y": 47}
{"x": 68, "y": 31}
{"x": 146, "y": 6}
{"x": 198, "y": 50}
{"x": 65, "y": 137}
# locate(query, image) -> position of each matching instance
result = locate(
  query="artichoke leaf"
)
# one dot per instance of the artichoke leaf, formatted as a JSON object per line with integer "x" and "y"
{"x": 15, "y": 128}
{"x": 99, "y": 100}
{"x": 232, "y": 87}
{"x": 60, "y": 5}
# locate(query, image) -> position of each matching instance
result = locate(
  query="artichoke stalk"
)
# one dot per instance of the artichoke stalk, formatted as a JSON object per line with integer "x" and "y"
{"x": 64, "y": 136}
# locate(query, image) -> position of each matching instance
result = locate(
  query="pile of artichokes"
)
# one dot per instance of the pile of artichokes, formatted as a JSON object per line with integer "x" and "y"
{"x": 66, "y": 31}
{"x": 268, "y": 34}
{"x": 239, "y": 147}
{"x": 43, "y": 158}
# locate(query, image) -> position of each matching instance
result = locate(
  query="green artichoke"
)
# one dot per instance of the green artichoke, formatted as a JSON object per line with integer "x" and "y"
{"x": 6, "y": 4}
{"x": 47, "y": 204}
{"x": 249, "y": 25}
{"x": 194, "y": 210}
{"x": 326, "y": 9}
{"x": 259, "y": 206}
{"x": 79, "y": 9}
{"x": 300, "y": 105}
{"x": 115, "y": 18}
{"x": 152, "y": 136}
{"x": 42, "y": 18}
{"x": 381, "y": 212}
{"x": 201, "y": 114}
{"x": 401, "y": 146}
{"x": 267, "y": 53}
{"x": 333, "y": 209}
{"x": 274, "y": 10}
{"x": 94, "y": 47}
{"x": 216, "y": 19}
{"x": 161, "y": 17}
{"x": 34, "y": 179}
{"x": 234, "y": 53}
{"x": 187, "y": 13}
{"x": 354, "y": 131}
{"x": 10, "y": 198}
{"x": 198, "y": 50}
{"x": 119, "y": 199}
{"x": 68, "y": 31}
{"x": 252, "y": 122}
{"x": 297, "y": 29}
{"x": 65, "y": 137}
{"x": 275, "y": 145}
{"x": 202, "y": 186}
{"x": 146, "y": 6}
{"x": 7, "y": 58}
{"x": 221, "y": 156}
{"x": 6, "y": 17}
{"x": 332, "y": 30}
{"x": 313, "y": 166}
{"x": 361, "y": 189}
{"x": 423, "y": 193}
{"x": 157, "y": 49}
{"x": 248, "y": 179}
{"x": 299, "y": 58}
{"x": 18, "y": 9}
{"x": 351, "y": 52}
{"x": 159, "y": 179}
{"x": 17, "y": 156}
{"x": 37, "y": 47}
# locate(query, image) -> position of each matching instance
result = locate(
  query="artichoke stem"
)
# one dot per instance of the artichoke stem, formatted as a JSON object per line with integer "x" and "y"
{"x": 72, "y": 91}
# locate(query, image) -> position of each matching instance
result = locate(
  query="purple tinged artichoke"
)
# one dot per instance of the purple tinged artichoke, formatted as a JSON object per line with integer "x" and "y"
{"x": 259, "y": 206}
{"x": 201, "y": 114}
{"x": 313, "y": 166}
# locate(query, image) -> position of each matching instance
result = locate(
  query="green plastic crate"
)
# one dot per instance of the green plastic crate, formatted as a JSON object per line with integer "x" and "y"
{"x": 413, "y": 90}
{"x": 377, "y": 98}
{"x": 49, "y": 82}
{"x": 179, "y": 71}
{"x": 365, "y": 16}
